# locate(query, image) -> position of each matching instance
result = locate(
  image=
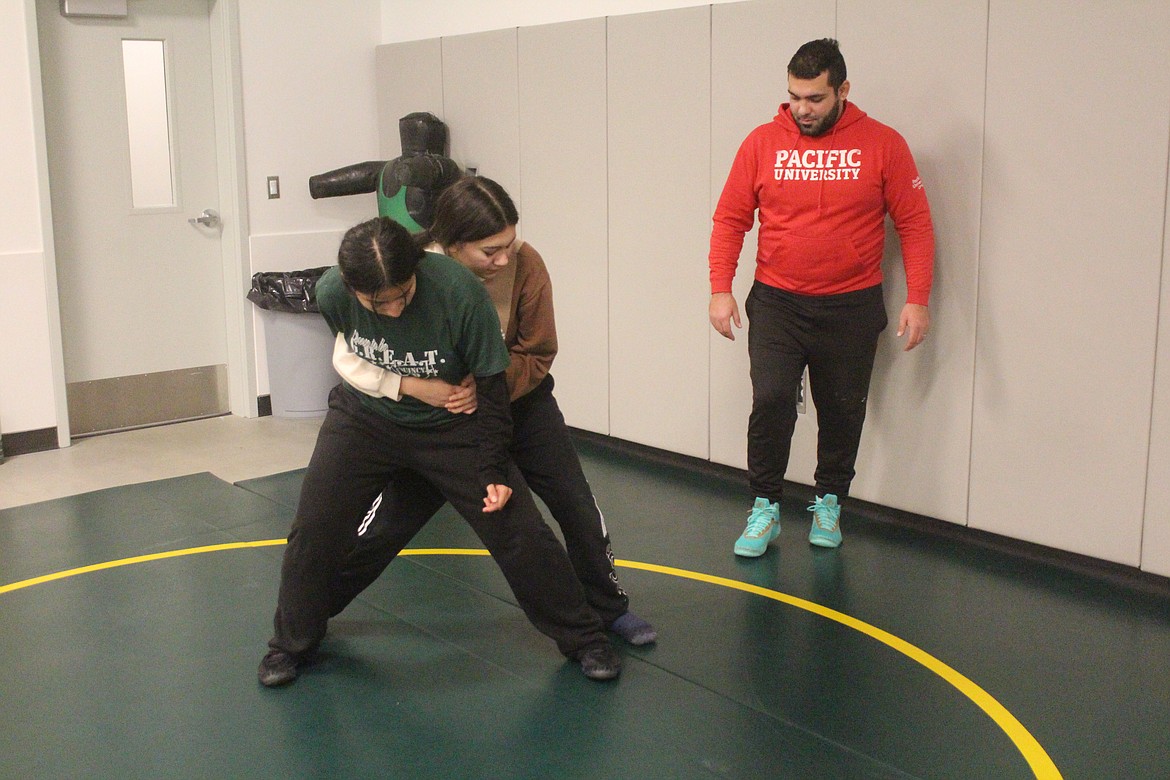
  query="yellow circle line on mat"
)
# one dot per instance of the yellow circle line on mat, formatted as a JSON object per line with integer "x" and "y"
{"x": 60, "y": 575}
{"x": 1037, "y": 758}
{"x": 1039, "y": 761}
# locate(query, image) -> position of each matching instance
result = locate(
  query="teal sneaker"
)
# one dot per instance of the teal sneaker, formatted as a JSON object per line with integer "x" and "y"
{"x": 762, "y": 527}
{"x": 826, "y": 524}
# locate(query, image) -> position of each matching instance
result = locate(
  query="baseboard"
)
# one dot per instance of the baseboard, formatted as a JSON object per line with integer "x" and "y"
{"x": 27, "y": 442}
{"x": 1116, "y": 574}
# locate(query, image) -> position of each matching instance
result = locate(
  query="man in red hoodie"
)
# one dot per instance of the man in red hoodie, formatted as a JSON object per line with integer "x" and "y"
{"x": 822, "y": 175}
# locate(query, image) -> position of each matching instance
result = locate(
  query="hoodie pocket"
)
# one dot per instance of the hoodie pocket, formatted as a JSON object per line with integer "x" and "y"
{"x": 811, "y": 264}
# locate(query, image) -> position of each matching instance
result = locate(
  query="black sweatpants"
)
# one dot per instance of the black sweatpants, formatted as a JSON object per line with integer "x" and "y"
{"x": 359, "y": 452}
{"x": 542, "y": 448}
{"x": 835, "y": 336}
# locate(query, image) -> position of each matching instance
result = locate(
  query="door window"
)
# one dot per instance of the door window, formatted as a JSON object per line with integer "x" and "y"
{"x": 148, "y": 122}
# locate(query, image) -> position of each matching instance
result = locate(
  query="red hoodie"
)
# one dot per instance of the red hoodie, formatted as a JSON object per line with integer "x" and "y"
{"x": 822, "y": 203}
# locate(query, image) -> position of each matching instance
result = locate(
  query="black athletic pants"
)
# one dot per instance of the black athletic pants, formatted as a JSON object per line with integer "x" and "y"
{"x": 359, "y": 452}
{"x": 542, "y": 448}
{"x": 835, "y": 336}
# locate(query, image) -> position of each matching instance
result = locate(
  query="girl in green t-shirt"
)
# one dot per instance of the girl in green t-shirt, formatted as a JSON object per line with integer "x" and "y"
{"x": 425, "y": 315}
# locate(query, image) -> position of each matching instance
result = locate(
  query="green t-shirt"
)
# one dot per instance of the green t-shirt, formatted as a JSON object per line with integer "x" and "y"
{"x": 448, "y": 330}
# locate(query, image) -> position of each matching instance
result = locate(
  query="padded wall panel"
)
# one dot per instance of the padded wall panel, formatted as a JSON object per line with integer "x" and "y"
{"x": 409, "y": 79}
{"x": 920, "y": 69}
{"x": 565, "y": 213}
{"x": 481, "y": 105}
{"x": 1071, "y": 246}
{"x": 659, "y": 217}
{"x": 751, "y": 44}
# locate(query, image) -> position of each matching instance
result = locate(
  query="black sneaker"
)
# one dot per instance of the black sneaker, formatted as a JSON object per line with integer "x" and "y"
{"x": 277, "y": 668}
{"x": 601, "y": 662}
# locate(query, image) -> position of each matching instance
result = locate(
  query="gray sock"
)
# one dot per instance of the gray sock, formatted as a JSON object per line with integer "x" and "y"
{"x": 634, "y": 629}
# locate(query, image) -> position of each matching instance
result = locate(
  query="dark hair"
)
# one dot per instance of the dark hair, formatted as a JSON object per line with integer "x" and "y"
{"x": 471, "y": 209}
{"x": 377, "y": 254}
{"x": 815, "y": 57}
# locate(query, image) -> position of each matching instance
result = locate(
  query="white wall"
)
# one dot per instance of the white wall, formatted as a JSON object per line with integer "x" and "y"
{"x": 18, "y": 169}
{"x": 309, "y": 107}
{"x": 309, "y": 104}
{"x": 29, "y": 356}
{"x": 409, "y": 20}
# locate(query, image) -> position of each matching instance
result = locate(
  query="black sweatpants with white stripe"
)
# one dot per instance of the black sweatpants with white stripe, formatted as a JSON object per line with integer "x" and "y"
{"x": 542, "y": 448}
{"x": 358, "y": 453}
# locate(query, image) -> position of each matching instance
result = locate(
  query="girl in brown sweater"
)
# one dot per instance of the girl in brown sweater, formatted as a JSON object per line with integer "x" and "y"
{"x": 475, "y": 223}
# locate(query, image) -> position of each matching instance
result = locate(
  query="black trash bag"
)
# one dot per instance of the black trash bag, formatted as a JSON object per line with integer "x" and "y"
{"x": 291, "y": 291}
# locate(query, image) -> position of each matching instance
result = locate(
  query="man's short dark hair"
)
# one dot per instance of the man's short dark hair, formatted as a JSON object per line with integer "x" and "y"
{"x": 815, "y": 57}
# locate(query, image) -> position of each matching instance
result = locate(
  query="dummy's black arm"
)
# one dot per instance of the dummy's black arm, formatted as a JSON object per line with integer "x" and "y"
{"x": 351, "y": 180}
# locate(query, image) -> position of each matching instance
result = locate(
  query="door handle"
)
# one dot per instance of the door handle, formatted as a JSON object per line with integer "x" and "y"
{"x": 209, "y": 218}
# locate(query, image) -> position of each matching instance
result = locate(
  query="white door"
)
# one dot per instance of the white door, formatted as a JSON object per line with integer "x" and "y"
{"x": 141, "y": 285}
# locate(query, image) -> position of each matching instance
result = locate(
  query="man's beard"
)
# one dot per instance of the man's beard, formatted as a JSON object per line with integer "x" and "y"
{"x": 826, "y": 123}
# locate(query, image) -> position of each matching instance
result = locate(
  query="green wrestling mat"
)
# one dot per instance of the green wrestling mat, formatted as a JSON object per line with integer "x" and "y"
{"x": 895, "y": 656}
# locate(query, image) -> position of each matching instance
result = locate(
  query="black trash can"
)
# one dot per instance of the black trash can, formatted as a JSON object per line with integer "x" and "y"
{"x": 298, "y": 342}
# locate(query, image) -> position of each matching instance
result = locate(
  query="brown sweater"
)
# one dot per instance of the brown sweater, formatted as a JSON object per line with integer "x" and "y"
{"x": 530, "y": 330}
